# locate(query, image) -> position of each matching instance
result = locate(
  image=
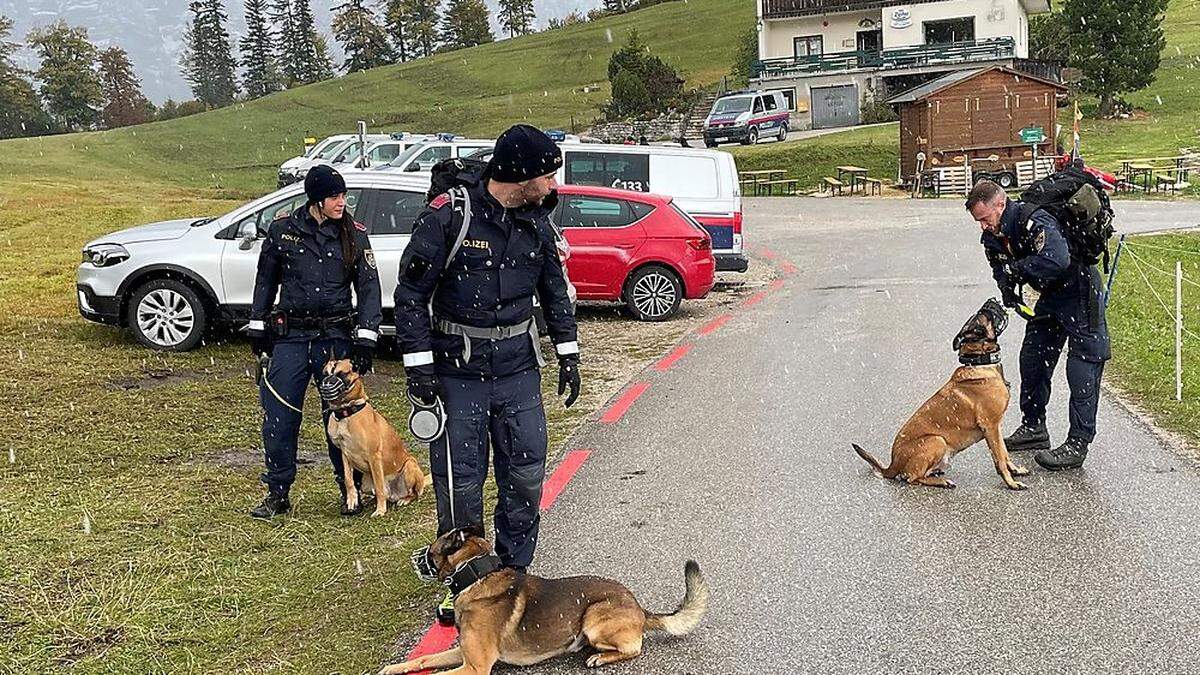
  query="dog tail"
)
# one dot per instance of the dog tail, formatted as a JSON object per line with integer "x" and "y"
{"x": 695, "y": 603}
{"x": 870, "y": 460}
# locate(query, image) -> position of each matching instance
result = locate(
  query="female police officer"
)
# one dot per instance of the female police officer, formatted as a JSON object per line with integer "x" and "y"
{"x": 311, "y": 258}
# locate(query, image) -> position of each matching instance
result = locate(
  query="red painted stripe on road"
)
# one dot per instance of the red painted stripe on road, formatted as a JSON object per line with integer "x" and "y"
{"x": 767, "y": 253}
{"x": 618, "y": 409}
{"x": 787, "y": 268}
{"x": 754, "y": 299}
{"x": 561, "y": 476}
{"x": 776, "y": 285}
{"x": 714, "y": 324}
{"x": 673, "y": 358}
{"x": 437, "y": 639}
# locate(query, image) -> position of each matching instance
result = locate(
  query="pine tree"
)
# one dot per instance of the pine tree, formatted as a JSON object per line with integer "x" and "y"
{"x": 516, "y": 17}
{"x": 124, "y": 103}
{"x": 312, "y": 53}
{"x": 362, "y": 39}
{"x": 396, "y": 22}
{"x": 207, "y": 62}
{"x": 1116, "y": 43}
{"x": 261, "y": 75}
{"x": 422, "y": 19}
{"x": 67, "y": 73}
{"x": 466, "y": 24}
{"x": 616, "y": 6}
{"x": 21, "y": 112}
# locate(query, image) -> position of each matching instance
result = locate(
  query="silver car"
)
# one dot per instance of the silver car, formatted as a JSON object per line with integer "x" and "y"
{"x": 170, "y": 282}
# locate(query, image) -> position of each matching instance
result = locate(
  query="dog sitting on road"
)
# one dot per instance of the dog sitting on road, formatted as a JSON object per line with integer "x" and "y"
{"x": 368, "y": 442}
{"x": 520, "y": 619}
{"x": 967, "y": 409}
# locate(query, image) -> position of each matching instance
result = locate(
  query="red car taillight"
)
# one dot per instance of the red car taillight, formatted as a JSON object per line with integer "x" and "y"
{"x": 700, "y": 243}
{"x": 737, "y": 222}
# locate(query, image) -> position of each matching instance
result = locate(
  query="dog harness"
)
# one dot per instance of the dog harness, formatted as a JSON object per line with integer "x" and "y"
{"x": 472, "y": 571}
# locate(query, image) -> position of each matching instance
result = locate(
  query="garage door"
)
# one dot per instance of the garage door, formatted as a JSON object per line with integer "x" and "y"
{"x": 834, "y": 106}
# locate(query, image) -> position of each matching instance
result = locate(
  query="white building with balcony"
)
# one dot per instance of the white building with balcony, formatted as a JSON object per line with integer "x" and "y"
{"x": 830, "y": 57}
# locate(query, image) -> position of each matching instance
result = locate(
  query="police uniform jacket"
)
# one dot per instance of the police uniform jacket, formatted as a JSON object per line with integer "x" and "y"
{"x": 1071, "y": 289}
{"x": 304, "y": 263}
{"x": 506, "y": 257}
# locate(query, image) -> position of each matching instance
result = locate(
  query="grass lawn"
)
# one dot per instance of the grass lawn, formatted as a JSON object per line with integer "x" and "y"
{"x": 875, "y": 148}
{"x": 1143, "y": 331}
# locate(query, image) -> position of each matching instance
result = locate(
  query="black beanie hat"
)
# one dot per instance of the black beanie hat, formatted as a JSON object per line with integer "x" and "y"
{"x": 522, "y": 153}
{"x": 322, "y": 182}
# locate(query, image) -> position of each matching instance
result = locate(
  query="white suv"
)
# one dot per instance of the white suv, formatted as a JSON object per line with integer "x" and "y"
{"x": 421, "y": 157}
{"x": 170, "y": 282}
{"x": 326, "y": 152}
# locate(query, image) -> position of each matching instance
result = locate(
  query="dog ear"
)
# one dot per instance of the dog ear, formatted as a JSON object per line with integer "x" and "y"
{"x": 475, "y": 530}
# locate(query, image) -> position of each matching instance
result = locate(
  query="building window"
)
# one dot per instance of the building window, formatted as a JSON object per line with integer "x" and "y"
{"x": 808, "y": 45}
{"x": 950, "y": 30}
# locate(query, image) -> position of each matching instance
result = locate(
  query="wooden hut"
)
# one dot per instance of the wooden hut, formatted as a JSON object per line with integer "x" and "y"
{"x": 975, "y": 114}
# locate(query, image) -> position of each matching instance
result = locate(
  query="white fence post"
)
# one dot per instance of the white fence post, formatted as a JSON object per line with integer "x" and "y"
{"x": 1178, "y": 330}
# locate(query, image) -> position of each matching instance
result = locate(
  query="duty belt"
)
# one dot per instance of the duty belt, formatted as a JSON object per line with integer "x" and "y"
{"x": 528, "y": 327}
{"x": 323, "y": 323}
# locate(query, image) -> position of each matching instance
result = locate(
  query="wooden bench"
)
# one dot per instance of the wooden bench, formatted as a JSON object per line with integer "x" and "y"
{"x": 1164, "y": 183}
{"x": 874, "y": 186}
{"x": 788, "y": 185}
{"x": 833, "y": 185}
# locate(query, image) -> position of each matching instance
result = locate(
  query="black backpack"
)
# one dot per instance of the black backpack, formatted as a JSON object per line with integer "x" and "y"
{"x": 1077, "y": 200}
{"x": 454, "y": 172}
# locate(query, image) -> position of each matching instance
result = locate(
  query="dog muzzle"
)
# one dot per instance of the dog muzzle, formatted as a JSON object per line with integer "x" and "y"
{"x": 332, "y": 388}
{"x": 427, "y": 422}
{"x": 423, "y": 565}
{"x": 975, "y": 331}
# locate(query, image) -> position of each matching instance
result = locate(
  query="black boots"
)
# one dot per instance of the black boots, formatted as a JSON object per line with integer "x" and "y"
{"x": 1028, "y": 439}
{"x": 272, "y": 505}
{"x": 1069, "y": 455}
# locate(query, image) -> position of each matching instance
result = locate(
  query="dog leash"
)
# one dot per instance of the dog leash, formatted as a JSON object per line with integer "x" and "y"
{"x": 263, "y": 363}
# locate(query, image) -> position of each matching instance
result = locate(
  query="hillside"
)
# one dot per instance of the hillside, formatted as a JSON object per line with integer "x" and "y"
{"x": 539, "y": 78}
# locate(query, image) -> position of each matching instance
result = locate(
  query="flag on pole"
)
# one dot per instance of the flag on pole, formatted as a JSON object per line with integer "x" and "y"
{"x": 1075, "y": 126}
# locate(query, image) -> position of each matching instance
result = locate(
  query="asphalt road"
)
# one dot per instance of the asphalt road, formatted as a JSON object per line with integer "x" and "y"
{"x": 739, "y": 457}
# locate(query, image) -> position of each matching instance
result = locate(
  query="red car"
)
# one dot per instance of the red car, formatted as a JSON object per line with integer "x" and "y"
{"x": 633, "y": 247}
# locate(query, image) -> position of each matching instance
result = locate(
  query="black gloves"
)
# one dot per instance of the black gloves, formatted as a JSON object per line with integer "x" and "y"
{"x": 1009, "y": 296}
{"x": 568, "y": 376}
{"x": 422, "y": 384}
{"x": 362, "y": 356}
{"x": 260, "y": 345}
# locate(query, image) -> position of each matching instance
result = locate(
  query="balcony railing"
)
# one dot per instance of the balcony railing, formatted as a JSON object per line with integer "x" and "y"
{"x": 890, "y": 59}
{"x": 782, "y": 9}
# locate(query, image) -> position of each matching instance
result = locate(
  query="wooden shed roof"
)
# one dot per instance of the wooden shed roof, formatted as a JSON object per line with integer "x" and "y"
{"x": 950, "y": 79}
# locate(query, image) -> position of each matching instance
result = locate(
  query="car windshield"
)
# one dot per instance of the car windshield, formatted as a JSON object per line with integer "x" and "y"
{"x": 312, "y": 152}
{"x": 351, "y": 152}
{"x": 408, "y": 154}
{"x": 333, "y": 150}
{"x": 733, "y": 105}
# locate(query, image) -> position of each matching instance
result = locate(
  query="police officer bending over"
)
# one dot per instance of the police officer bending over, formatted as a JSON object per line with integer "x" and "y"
{"x": 479, "y": 351}
{"x": 312, "y": 258}
{"x": 1027, "y": 246}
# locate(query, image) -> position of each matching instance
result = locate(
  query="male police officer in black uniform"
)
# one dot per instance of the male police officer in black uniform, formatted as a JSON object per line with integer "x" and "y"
{"x": 479, "y": 352}
{"x": 312, "y": 258}
{"x": 1025, "y": 248}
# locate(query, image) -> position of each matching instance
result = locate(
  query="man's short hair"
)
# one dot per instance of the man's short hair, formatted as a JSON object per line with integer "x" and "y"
{"x": 984, "y": 191}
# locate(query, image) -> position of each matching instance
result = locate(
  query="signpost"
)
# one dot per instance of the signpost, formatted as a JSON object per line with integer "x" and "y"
{"x": 1033, "y": 136}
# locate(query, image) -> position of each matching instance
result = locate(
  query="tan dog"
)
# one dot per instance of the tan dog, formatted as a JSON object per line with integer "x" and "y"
{"x": 967, "y": 409}
{"x": 368, "y": 442}
{"x": 516, "y": 618}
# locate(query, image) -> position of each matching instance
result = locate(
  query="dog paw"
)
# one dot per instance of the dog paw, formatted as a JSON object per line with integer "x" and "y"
{"x": 594, "y": 661}
{"x": 378, "y": 512}
{"x": 1018, "y": 485}
{"x": 1018, "y": 470}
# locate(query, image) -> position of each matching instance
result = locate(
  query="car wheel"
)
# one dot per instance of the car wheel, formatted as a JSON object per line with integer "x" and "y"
{"x": 167, "y": 315}
{"x": 653, "y": 293}
{"x": 783, "y": 132}
{"x": 751, "y": 136}
{"x": 1006, "y": 180}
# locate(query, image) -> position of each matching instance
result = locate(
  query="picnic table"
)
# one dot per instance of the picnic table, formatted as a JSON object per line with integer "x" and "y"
{"x": 1140, "y": 170}
{"x": 854, "y": 172}
{"x": 766, "y": 175}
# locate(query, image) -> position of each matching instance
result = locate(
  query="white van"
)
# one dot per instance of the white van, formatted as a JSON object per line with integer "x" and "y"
{"x": 704, "y": 183}
{"x": 421, "y": 157}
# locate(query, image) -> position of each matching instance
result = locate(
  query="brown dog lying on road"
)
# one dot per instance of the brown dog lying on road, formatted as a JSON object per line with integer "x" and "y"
{"x": 967, "y": 409}
{"x": 516, "y": 618}
{"x": 368, "y": 442}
